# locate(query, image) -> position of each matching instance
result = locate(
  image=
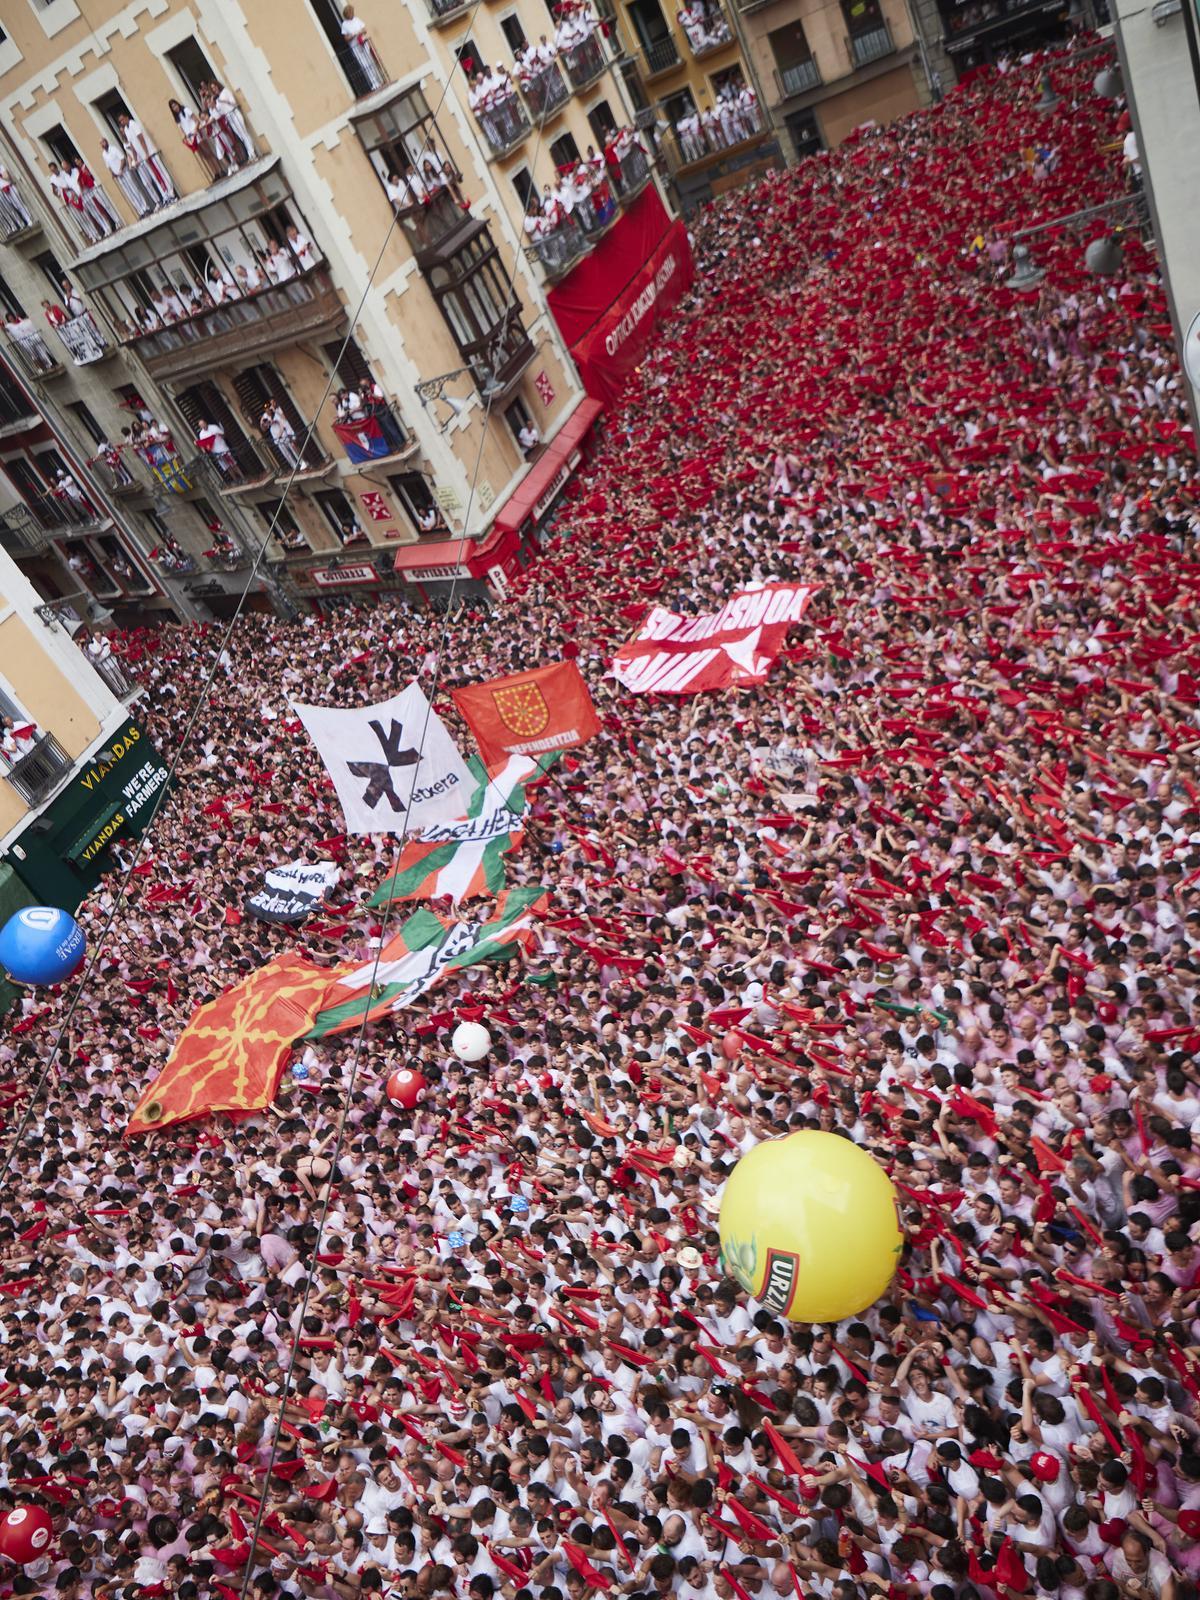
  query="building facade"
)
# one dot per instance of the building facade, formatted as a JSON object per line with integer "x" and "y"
{"x": 1158, "y": 46}
{"x": 828, "y": 66}
{"x": 77, "y": 772}
{"x": 286, "y": 245}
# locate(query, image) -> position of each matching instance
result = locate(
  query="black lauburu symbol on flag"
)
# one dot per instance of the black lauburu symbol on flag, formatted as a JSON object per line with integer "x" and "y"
{"x": 379, "y": 774}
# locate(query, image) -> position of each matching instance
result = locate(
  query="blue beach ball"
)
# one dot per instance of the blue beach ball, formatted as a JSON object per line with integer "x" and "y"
{"x": 41, "y": 945}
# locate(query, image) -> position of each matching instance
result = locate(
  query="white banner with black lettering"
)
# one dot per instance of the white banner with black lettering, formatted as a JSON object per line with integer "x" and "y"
{"x": 289, "y": 893}
{"x": 394, "y": 765}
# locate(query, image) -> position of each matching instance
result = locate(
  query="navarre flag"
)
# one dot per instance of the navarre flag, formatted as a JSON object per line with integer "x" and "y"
{"x": 731, "y": 648}
{"x": 528, "y": 713}
{"x": 464, "y": 859}
{"x": 364, "y": 440}
{"x": 232, "y": 1053}
{"x": 427, "y": 950}
{"x": 394, "y": 765}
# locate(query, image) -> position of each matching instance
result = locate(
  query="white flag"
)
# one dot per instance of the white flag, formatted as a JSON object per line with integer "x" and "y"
{"x": 395, "y": 767}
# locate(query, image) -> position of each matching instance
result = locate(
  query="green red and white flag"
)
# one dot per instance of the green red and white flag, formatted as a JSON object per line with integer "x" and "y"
{"x": 426, "y": 951}
{"x": 463, "y": 859}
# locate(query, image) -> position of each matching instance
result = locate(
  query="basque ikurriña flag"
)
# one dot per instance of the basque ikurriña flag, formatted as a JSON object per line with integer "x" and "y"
{"x": 364, "y": 441}
{"x": 463, "y": 859}
{"x": 426, "y": 951}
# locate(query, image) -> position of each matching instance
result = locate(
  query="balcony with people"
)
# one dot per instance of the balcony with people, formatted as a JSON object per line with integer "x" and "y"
{"x": 16, "y": 219}
{"x": 354, "y": 48}
{"x": 368, "y": 427}
{"x": 699, "y": 137}
{"x": 32, "y": 355}
{"x": 497, "y": 108}
{"x": 564, "y": 221}
{"x": 426, "y": 196}
{"x": 215, "y": 130}
{"x": 237, "y": 289}
{"x": 59, "y": 511}
{"x": 31, "y": 761}
{"x": 580, "y": 42}
{"x": 705, "y": 27}
{"x": 542, "y": 84}
{"x": 627, "y": 165}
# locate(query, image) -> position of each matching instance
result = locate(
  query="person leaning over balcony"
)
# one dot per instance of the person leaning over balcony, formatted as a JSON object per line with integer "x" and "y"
{"x": 117, "y": 163}
{"x": 354, "y": 32}
{"x": 151, "y": 173}
{"x": 301, "y": 247}
{"x": 210, "y": 436}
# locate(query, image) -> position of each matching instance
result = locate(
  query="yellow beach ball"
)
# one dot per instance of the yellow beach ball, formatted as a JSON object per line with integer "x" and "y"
{"x": 810, "y": 1227}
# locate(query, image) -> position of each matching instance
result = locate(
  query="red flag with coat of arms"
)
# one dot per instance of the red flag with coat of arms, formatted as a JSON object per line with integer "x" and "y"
{"x": 529, "y": 713}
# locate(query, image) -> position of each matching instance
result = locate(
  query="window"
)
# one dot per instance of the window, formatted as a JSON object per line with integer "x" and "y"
{"x": 9, "y": 301}
{"x": 602, "y": 122}
{"x": 51, "y": 271}
{"x": 805, "y": 131}
{"x": 219, "y": 251}
{"x": 512, "y": 30}
{"x": 349, "y": 364}
{"x": 677, "y": 106}
{"x": 356, "y": 56}
{"x": 192, "y": 66}
{"x": 275, "y": 513}
{"x": 119, "y": 565}
{"x": 516, "y": 415}
{"x": 401, "y": 136}
{"x": 49, "y": 463}
{"x": 862, "y": 16}
{"x": 87, "y": 421}
{"x": 414, "y": 494}
{"x": 60, "y": 146}
{"x": 789, "y": 46}
{"x": 261, "y": 386}
{"x": 338, "y": 511}
{"x": 564, "y": 152}
{"x": 112, "y": 108}
{"x": 26, "y": 481}
{"x": 730, "y": 81}
{"x": 649, "y": 24}
{"x": 525, "y": 187}
{"x": 204, "y": 402}
{"x": 476, "y": 299}
{"x": 470, "y": 57}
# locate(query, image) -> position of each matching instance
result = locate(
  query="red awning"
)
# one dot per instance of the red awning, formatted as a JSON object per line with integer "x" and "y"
{"x": 556, "y": 458}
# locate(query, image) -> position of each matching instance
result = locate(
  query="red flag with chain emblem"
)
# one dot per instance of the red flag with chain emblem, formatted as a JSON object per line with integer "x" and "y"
{"x": 529, "y": 713}
{"x": 232, "y": 1053}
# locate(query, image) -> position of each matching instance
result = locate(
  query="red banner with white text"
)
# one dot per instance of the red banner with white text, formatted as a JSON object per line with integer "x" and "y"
{"x": 731, "y": 648}
{"x": 608, "y": 307}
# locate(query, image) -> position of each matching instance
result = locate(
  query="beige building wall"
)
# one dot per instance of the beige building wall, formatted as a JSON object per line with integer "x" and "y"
{"x": 46, "y": 676}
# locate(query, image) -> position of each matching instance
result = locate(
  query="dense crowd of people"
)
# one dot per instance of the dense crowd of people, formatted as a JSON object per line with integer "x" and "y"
{"x": 934, "y": 887}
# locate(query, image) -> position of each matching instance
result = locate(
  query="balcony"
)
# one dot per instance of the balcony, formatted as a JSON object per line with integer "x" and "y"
{"x": 630, "y": 175}
{"x": 561, "y": 248}
{"x": 17, "y": 414}
{"x": 691, "y": 144}
{"x": 61, "y": 513}
{"x": 222, "y": 141}
{"x": 16, "y": 219}
{"x": 498, "y": 361}
{"x": 32, "y": 354}
{"x": 365, "y": 72}
{"x": 301, "y": 454}
{"x": 147, "y": 185}
{"x": 37, "y": 774}
{"x": 20, "y": 533}
{"x": 378, "y": 434}
{"x": 83, "y": 340}
{"x": 235, "y": 468}
{"x": 503, "y": 124}
{"x": 798, "y": 78}
{"x": 706, "y": 28}
{"x": 114, "y": 475}
{"x": 115, "y": 676}
{"x": 431, "y": 225}
{"x": 545, "y": 91}
{"x": 91, "y": 217}
{"x": 586, "y": 61}
{"x": 305, "y": 307}
{"x": 447, "y": 10}
{"x": 870, "y": 46}
{"x": 661, "y": 56}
